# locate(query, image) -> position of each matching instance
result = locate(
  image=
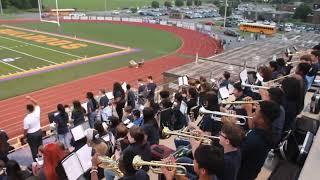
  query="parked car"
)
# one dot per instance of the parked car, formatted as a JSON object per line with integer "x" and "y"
{"x": 232, "y": 33}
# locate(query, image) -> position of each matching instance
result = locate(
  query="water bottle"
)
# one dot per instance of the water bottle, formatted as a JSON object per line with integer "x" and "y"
{"x": 313, "y": 103}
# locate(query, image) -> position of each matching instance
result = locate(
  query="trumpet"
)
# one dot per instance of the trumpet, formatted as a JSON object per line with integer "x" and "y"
{"x": 205, "y": 138}
{"x": 241, "y": 102}
{"x": 137, "y": 163}
{"x": 111, "y": 164}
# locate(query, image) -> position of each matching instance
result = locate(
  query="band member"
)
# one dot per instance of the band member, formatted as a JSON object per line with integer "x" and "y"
{"x": 258, "y": 141}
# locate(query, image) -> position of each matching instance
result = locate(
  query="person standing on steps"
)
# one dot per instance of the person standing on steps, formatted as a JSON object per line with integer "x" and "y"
{"x": 31, "y": 125}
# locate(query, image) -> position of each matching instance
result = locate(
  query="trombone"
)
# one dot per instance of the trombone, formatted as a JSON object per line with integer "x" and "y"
{"x": 137, "y": 163}
{"x": 205, "y": 138}
{"x": 279, "y": 78}
{"x": 254, "y": 86}
{"x": 241, "y": 102}
{"x": 244, "y": 118}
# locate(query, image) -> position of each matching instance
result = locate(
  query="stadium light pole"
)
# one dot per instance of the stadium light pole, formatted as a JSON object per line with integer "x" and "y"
{"x": 225, "y": 13}
{"x": 1, "y": 7}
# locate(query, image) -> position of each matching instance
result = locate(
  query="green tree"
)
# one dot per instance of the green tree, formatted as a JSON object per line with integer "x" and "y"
{"x": 179, "y": 3}
{"x": 133, "y": 10}
{"x": 302, "y": 12}
{"x": 21, "y": 4}
{"x": 5, "y": 3}
{"x": 155, "y": 4}
{"x": 34, "y": 3}
{"x": 167, "y": 4}
{"x": 189, "y": 3}
{"x": 197, "y": 2}
{"x": 216, "y": 2}
{"x": 221, "y": 11}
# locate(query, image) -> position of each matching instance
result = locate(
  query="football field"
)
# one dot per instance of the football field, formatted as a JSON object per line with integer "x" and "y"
{"x": 26, "y": 52}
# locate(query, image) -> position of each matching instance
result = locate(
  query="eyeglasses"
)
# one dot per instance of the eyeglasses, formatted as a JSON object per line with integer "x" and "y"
{"x": 223, "y": 135}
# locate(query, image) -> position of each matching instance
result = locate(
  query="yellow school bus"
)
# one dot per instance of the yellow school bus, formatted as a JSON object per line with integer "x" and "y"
{"x": 258, "y": 28}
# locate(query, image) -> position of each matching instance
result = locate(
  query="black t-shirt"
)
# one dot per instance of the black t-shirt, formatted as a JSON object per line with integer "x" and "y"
{"x": 139, "y": 175}
{"x": 78, "y": 117}
{"x": 143, "y": 150}
{"x": 232, "y": 162}
{"x": 208, "y": 124}
{"x": 151, "y": 88}
{"x": 103, "y": 102}
{"x": 254, "y": 150}
{"x": 62, "y": 123}
{"x": 152, "y": 132}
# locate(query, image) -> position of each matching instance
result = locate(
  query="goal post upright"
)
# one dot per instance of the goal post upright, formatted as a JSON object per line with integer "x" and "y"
{"x": 57, "y": 21}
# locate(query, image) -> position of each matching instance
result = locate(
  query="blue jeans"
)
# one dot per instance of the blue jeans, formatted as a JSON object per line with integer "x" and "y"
{"x": 92, "y": 118}
{"x": 63, "y": 138}
{"x": 180, "y": 142}
{"x": 108, "y": 174}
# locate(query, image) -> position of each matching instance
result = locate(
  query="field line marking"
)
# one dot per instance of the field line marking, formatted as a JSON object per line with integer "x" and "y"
{"x": 13, "y": 66}
{"x": 68, "y": 37}
{"x": 28, "y": 55}
{"x": 41, "y": 47}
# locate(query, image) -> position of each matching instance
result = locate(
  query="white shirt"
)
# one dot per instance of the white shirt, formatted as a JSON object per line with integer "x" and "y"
{"x": 31, "y": 122}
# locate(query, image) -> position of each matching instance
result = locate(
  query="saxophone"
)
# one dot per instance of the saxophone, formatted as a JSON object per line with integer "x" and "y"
{"x": 111, "y": 164}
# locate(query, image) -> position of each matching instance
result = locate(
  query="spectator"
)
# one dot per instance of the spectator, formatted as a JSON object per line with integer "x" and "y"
{"x": 119, "y": 98}
{"x": 4, "y": 146}
{"x": 150, "y": 126}
{"x": 61, "y": 120}
{"x": 14, "y": 171}
{"x": 92, "y": 106}
{"x": 31, "y": 126}
{"x": 78, "y": 113}
{"x": 131, "y": 97}
{"x": 225, "y": 82}
{"x": 104, "y": 101}
{"x": 142, "y": 92}
{"x": 127, "y": 113}
{"x": 151, "y": 88}
{"x": 137, "y": 119}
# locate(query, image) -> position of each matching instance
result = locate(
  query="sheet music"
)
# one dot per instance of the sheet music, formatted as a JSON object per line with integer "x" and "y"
{"x": 109, "y": 95}
{"x": 224, "y": 92}
{"x": 180, "y": 81}
{"x": 183, "y": 107}
{"x": 72, "y": 167}
{"x": 259, "y": 77}
{"x": 185, "y": 80}
{"x": 127, "y": 121}
{"x": 244, "y": 75}
{"x": 78, "y": 132}
{"x": 84, "y": 156}
{"x": 124, "y": 86}
{"x": 130, "y": 125}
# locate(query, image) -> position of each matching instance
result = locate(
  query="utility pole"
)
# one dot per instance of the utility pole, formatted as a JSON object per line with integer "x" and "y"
{"x": 225, "y": 13}
{"x": 105, "y": 5}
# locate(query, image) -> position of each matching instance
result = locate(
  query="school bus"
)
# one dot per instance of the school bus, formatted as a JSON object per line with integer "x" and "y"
{"x": 62, "y": 12}
{"x": 258, "y": 28}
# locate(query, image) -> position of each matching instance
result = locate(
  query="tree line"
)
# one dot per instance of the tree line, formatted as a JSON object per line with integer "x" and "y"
{"x": 20, "y": 4}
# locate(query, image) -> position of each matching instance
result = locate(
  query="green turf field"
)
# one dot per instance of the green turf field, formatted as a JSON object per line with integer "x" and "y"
{"x": 94, "y": 5}
{"x": 19, "y": 50}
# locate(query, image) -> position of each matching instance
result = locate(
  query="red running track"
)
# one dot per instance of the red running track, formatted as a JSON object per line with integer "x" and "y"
{"x": 12, "y": 110}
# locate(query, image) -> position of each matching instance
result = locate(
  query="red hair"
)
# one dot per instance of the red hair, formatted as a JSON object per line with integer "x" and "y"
{"x": 52, "y": 155}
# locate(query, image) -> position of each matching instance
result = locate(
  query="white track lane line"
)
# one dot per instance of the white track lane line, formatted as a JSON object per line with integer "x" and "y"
{"x": 12, "y": 66}
{"x": 28, "y": 55}
{"x": 41, "y": 47}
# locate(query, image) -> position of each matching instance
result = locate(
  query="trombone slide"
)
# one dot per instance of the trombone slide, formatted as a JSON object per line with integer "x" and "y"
{"x": 255, "y": 86}
{"x": 241, "y": 102}
{"x": 205, "y": 111}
